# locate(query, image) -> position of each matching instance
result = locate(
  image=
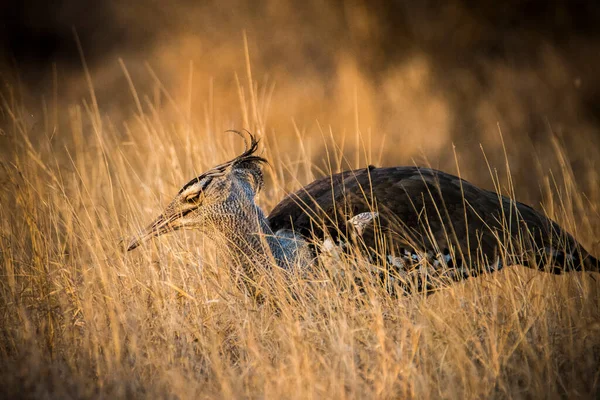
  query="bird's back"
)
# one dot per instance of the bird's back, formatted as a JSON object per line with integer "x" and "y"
{"x": 427, "y": 210}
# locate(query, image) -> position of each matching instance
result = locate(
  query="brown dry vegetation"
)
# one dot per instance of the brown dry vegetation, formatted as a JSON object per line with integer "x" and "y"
{"x": 96, "y": 157}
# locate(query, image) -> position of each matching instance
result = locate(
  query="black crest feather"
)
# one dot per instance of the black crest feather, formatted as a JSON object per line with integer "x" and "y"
{"x": 248, "y": 159}
{"x": 249, "y": 153}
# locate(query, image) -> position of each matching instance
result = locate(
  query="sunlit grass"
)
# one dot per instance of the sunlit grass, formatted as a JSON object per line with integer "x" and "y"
{"x": 83, "y": 318}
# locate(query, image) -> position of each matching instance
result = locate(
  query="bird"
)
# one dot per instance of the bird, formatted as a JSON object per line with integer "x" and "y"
{"x": 415, "y": 221}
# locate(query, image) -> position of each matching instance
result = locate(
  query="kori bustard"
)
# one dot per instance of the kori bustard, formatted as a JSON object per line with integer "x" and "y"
{"x": 403, "y": 217}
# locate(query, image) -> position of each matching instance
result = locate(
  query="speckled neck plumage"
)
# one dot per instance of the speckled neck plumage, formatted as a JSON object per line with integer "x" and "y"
{"x": 244, "y": 234}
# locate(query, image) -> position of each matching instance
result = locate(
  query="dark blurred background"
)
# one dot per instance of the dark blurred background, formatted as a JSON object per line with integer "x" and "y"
{"x": 423, "y": 74}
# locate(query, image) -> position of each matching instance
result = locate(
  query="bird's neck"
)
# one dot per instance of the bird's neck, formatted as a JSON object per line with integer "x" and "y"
{"x": 252, "y": 243}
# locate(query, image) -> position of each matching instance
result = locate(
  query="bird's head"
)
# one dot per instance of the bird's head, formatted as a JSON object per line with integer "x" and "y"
{"x": 221, "y": 193}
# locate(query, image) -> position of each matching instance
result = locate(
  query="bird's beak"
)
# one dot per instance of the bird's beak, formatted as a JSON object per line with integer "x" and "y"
{"x": 161, "y": 225}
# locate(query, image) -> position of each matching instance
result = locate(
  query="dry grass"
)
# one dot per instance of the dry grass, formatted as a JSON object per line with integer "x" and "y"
{"x": 82, "y": 318}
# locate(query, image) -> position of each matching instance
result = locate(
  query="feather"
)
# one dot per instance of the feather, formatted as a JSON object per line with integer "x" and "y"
{"x": 431, "y": 211}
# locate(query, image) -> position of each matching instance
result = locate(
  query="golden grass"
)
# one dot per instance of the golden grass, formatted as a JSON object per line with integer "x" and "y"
{"x": 82, "y": 318}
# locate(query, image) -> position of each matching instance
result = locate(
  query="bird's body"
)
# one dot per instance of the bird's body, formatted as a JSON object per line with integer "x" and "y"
{"x": 431, "y": 211}
{"x": 413, "y": 214}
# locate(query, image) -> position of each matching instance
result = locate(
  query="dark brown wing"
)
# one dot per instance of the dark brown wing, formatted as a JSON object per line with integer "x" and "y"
{"x": 428, "y": 210}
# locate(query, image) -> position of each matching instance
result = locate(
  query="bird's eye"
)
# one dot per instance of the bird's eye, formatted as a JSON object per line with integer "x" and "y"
{"x": 194, "y": 198}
